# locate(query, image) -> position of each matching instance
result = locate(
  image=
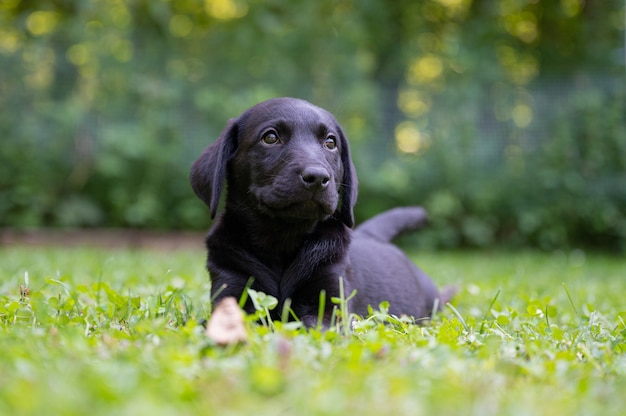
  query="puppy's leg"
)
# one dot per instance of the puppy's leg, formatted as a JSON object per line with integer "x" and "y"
{"x": 446, "y": 294}
{"x": 390, "y": 224}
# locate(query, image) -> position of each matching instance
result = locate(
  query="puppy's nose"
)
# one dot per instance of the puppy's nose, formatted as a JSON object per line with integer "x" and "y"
{"x": 315, "y": 177}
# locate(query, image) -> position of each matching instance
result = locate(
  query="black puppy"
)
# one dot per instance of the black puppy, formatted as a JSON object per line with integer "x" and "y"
{"x": 288, "y": 219}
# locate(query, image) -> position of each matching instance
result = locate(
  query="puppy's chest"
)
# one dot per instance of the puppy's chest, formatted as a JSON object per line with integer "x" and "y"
{"x": 278, "y": 266}
{"x": 289, "y": 271}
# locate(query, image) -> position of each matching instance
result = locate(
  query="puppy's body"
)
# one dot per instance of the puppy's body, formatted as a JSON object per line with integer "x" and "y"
{"x": 289, "y": 213}
{"x": 375, "y": 260}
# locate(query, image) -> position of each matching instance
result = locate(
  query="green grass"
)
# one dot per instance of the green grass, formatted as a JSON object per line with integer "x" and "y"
{"x": 117, "y": 332}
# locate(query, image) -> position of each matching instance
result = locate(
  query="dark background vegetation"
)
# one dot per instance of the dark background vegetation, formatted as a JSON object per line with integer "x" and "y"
{"x": 506, "y": 119}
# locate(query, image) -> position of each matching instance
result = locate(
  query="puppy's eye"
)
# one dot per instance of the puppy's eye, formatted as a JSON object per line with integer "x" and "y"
{"x": 330, "y": 143}
{"x": 270, "y": 138}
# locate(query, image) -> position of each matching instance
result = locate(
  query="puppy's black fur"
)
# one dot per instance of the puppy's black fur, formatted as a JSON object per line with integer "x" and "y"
{"x": 288, "y": 218}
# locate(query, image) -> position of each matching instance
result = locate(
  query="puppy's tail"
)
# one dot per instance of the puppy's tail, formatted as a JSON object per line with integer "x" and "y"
{"x": 390, "y": 224}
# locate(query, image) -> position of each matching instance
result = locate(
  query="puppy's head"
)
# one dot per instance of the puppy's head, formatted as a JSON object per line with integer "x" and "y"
{"x": 283, "y": 158}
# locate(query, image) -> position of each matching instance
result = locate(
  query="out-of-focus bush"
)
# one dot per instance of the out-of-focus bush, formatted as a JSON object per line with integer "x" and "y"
{"x": 559, "y": 181}
{"x": 506, "y": 119}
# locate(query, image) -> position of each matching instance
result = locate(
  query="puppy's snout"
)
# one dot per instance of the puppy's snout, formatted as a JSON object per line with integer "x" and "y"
{"x": 315, "y": 177}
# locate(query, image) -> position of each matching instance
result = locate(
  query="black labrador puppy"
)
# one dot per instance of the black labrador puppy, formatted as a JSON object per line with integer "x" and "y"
{"x": 288, "y": 218}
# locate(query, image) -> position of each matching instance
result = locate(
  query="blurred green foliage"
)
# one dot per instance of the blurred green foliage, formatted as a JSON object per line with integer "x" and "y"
{"x": 506, "y": 119}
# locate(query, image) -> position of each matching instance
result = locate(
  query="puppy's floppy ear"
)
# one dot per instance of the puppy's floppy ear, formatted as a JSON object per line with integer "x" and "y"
{"x": 208, "y": 172}
{"x": 349, "y": 183}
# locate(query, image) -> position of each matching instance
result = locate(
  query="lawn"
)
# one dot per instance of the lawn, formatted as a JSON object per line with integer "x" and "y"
{"x": 102, "y": 332}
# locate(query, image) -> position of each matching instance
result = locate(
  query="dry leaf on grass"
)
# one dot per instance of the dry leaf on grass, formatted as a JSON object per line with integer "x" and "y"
{"x": 226, "y": 324}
